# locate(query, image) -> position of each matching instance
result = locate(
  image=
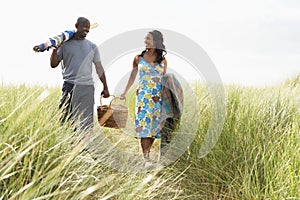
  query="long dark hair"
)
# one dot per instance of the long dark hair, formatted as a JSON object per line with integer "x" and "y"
{"x": 160, "y": 48}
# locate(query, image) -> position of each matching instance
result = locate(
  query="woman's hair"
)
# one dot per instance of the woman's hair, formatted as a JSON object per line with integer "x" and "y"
{"x": 160, "y": 48}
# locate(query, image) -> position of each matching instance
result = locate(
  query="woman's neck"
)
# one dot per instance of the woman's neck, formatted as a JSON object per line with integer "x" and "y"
{"x": 151, "y": 52}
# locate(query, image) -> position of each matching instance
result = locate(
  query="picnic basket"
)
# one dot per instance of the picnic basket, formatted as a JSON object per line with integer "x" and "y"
{"x": 112, "y": 115}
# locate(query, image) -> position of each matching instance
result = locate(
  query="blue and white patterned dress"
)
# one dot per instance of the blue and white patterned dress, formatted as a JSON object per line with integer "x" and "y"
{"x": 148, "y": 100}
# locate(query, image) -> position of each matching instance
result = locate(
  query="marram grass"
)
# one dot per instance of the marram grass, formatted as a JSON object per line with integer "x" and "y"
{"x": 256, "y": 157}
{"x": 42, "y": 159}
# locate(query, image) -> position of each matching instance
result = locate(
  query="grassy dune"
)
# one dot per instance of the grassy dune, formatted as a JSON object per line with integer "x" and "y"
{"x": 256, "y": 157}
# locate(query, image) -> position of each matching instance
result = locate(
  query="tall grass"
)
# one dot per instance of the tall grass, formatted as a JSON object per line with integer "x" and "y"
{"x": 258, "y": 153}
{"x": 41, "y": 159}
{"x": 256, "y": 157}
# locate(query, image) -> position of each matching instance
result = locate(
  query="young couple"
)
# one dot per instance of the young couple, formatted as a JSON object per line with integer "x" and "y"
{"x": 78, "y": 55}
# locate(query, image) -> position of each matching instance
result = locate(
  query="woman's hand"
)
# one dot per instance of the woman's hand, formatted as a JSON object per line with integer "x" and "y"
{"x": 123, "y": 96}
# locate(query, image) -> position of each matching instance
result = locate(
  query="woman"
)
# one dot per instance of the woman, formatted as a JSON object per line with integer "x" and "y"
{"x": 151, "y": 66}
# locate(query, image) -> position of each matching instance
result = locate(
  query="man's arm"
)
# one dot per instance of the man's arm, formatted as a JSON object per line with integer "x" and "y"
{"x": 102, "y": 77}
{"x": 54, "y": 59}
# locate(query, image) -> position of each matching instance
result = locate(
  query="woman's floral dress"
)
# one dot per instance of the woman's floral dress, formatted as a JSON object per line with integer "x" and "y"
{"x": 148, "y": 100}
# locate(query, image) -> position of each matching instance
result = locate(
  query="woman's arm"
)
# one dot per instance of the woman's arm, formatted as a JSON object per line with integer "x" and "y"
{"x": 165, "y": 66}
{"x": 132, "y": 77}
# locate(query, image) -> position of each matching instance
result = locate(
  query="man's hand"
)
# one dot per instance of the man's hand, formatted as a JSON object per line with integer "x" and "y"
{"x": 105, "y": 93}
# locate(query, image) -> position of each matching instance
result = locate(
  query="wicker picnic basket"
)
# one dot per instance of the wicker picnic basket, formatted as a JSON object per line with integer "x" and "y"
{"x": 112, "y": 115}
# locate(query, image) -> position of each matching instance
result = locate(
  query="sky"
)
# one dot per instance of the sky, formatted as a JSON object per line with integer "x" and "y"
{"x": 251, "y": 42}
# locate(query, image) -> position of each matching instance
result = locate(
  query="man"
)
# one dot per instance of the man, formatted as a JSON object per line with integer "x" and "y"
{"x": 78, "y": 55}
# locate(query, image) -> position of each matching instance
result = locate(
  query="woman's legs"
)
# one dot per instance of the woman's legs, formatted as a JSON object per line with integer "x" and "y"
{"x": 146, "y": 144}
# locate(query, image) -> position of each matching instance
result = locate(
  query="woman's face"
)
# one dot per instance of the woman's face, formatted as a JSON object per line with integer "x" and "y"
{"x": 149, "y": 41}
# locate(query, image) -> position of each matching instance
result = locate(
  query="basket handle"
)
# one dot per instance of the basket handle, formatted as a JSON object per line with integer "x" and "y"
{"x": 110, "y": 101}
{"x": 113, "y": 99}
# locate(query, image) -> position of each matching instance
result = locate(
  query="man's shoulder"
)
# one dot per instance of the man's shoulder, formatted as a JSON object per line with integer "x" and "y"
{"x": 85, "y": 45}
{"x": 90, "y": 43}
{"x": 85, "y": 41}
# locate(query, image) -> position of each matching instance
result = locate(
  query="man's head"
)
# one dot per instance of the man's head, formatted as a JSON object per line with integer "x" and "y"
{"x": 83, "y": 27}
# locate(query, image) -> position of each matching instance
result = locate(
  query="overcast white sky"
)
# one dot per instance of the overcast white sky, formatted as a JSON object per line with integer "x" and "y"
{"x": 251, "y": 42}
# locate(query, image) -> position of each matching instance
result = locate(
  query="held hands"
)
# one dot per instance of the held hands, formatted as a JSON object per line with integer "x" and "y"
{"x": 105, "y": 93}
